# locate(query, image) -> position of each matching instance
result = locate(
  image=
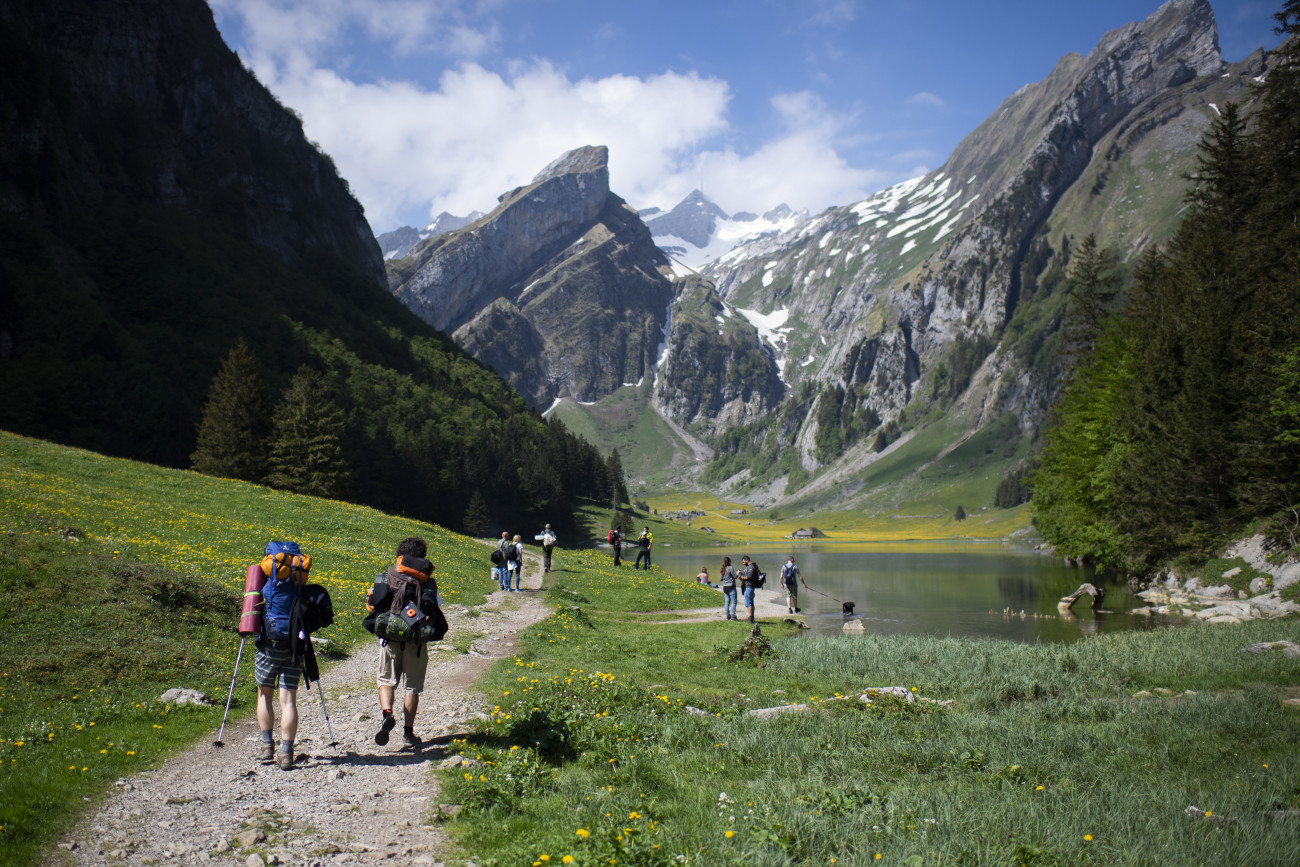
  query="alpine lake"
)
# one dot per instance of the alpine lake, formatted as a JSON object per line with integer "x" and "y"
{"x": 980, "y": 590}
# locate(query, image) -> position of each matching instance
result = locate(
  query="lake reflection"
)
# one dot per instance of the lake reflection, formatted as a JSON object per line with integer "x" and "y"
{"x": 974, "y": 590}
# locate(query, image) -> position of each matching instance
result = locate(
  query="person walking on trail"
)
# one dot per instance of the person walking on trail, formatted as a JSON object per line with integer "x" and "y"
{"x": 499, "y": 567}
{"x": 616, "y": 539}
{"x": 410, "y": 575}
{"x": 515, "y": 565}
{"x": 548, "y": 540}
{"x": 644, "y": 541}
{"x": 749, "y": 582}
{"x": 727, "y": 580}
{"x": 791, "y": 578}
{"x": 276, "y": 663}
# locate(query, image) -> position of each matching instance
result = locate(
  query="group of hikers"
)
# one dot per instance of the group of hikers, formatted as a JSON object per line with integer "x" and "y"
{"x": 750, "y": 578}
{"x": 404, "y": 612}
{"x": 642, "y": 542}
{"x": 281, "y": 611}
{"x": 508, "y": 558}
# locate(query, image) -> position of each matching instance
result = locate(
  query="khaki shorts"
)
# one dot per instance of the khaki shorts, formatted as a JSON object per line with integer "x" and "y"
{"x": 397, "y": 658}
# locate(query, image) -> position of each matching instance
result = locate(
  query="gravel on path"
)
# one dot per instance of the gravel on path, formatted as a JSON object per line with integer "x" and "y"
{"x": 352, "y": 803}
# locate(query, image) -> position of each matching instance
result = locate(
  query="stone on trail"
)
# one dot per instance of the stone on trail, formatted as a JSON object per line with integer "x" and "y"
{"x": 251, "y": 837}
{"x": 254, "y": 860}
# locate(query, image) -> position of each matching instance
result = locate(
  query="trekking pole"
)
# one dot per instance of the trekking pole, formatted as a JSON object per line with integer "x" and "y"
{"x": 309, "y": 668}
{"x": 218, "y": 742}
{"x": 320, "y": 691}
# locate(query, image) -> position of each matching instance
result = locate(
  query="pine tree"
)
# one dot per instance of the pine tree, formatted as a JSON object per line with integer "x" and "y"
{"x": 1093, "y": 283}
{"x": 307, "y": 446}
{"x": 232, "y": 433}
{"x": 475, "y": 521}
{"x": 618, "y": 482}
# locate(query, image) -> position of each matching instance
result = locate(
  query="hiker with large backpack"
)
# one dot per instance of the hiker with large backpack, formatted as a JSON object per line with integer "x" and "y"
{"x": 283, "y": 644}
{"x": 405, "y": 616}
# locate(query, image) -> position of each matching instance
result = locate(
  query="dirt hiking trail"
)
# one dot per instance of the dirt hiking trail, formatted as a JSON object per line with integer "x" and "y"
{"x": 356, "y": 802}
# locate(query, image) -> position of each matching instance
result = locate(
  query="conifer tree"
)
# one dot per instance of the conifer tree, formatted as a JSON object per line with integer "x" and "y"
{"x": 617, "y": 481}
{"x": 475, "y": 521}
{"x": 1093, "y": 282}
{"x": 306, "y": 454}
{"x": 232, "y": 432}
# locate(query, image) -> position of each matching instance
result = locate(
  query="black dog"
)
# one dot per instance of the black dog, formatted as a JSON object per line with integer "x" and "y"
{"x": 848, "y": 609}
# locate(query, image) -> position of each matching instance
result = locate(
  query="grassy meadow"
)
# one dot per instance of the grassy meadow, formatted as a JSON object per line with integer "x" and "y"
{"x": 621, "y": 736}
{"x": 1045, "y": 755}
{"x": 122, "y": 580}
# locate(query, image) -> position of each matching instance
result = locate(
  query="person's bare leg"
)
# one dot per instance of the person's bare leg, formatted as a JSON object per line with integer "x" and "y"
{"x": 288, "y": 714}
{"x": 265, "y": 710}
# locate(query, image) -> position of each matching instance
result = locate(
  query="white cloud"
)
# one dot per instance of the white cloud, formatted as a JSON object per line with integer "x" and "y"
{"x": 295, "y": 30}
{"x": 410, "y": 151}
{"x": 924, "y": 97}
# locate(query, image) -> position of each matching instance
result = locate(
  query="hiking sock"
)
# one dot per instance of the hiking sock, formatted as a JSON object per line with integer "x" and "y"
{"x": 286, "y": 746}
{"x": 266, "y": 736}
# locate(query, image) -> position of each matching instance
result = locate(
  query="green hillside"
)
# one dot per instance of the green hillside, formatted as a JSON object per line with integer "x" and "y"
{"x": 137, "y": 246}
{"x": 128, "y": 578}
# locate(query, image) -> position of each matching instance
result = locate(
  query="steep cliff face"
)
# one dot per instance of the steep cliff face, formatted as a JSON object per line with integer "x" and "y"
{"x": 568, "y": 266}
{"x": 901, "y": 299}
{"x": 716, "y": 372}
{"x": 143, "y": 102}
{"x": 450, "y": 278}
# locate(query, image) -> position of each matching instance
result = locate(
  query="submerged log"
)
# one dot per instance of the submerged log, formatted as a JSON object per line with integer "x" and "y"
{"x": 1097, "y": 594}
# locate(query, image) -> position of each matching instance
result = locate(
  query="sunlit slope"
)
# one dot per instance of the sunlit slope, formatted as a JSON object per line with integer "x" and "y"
{"x": 211, "y": 528}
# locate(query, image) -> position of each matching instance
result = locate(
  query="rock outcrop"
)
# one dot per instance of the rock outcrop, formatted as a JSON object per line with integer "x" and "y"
{"x": 560, "y": 289}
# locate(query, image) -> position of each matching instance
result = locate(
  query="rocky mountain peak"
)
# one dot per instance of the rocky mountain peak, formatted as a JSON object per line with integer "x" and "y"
{"x": 589, "y": 159}
{"x": 693, "y": 219}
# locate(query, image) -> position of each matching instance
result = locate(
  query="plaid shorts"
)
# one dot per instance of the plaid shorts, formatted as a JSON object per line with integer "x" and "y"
{"x": 276, "y": 662}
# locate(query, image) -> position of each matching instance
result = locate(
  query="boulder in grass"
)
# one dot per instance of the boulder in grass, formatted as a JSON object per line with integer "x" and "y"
{"x": 179, "y": 695}
{"x": 1288, "y": 648}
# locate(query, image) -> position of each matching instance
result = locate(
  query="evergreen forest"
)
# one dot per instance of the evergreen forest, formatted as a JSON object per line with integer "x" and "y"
{"x": 1181, "y": 422}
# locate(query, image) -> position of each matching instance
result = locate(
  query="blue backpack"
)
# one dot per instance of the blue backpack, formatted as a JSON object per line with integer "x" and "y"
{"x": 285, "y": 568}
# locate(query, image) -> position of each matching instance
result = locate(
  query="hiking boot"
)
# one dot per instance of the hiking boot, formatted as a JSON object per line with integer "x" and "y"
{"x": 266, "y": 752}
{"x": 284, "y": 760}
{"x": 410, "y": 737}
{"x": 381, "y": 736}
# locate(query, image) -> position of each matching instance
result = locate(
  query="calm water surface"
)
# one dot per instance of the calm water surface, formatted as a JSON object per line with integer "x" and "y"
{"x": 974, "y": 590}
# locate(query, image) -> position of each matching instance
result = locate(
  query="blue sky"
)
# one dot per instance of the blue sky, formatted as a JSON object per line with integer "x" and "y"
{"x": 433, "y": 105}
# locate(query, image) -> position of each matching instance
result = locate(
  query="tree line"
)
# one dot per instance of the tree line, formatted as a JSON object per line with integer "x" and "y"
{"x": 1181, "y": 421}
{"x": 344, "y": 429}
